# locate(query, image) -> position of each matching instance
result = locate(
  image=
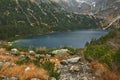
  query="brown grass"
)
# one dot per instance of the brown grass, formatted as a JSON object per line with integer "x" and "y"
{"x": 8, "y": 58}
{"x": 3, "y": 50}
{"x": 103, "y": 71}
{"x": 19, "y": 71}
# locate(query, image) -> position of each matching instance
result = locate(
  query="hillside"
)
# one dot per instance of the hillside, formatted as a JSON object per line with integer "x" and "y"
{"x": 103, "y": 54}
{"x": 99, "y": 60}
{"x": 28, "y": 17}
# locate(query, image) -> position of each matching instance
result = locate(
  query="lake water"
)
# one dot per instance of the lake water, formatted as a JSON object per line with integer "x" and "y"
{"x": 75, "y": 39}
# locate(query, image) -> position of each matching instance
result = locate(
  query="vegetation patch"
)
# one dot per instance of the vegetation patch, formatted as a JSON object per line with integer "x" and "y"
{"x": 50, "y": 67}
{"x": 102, "y": 51}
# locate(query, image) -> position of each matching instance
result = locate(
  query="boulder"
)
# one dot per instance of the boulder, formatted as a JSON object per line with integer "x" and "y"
{"x": 74, "y": 68}
{"x": 13, "y": 78}
{"x": 85, "y": 78}
{"x": 52, "y": 78}
{"x": 64, "y": 62}
{"x": 31, "y": 52}
{"x": 39, "y": 56}
{"x": 22, "y": 57}
{"x": 48, "y": 55}
{"x": 64, "y": 79}
{"x": 60, "y": 52}
{"x": 14, "y": 51}
{"x": 34, "y": 79}
{"x": 74, "y": 60}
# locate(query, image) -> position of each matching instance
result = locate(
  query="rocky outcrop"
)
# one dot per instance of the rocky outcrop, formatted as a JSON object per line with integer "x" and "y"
{"x": 75, "y": 69}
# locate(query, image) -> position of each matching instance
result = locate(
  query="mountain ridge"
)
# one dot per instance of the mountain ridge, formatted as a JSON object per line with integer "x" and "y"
{"x": 21, "y": 17}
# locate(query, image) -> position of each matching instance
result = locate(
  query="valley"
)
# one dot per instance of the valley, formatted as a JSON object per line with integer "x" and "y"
{"x": 59, "y": 40}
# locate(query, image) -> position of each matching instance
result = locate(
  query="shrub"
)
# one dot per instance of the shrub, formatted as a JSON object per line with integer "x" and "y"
{"x": 96, "y": 51}
{"x": 26, "y": 60}
{"x": 49, "y": 66}
{"x": 8, "y": 47}
{"x": 11, "y": 47}
{"x": 116, "y": 58}
{"x": 41, "y": 52}
{"x": 72, "y": 50}
{"x": 107, "y": 58}
{"x": 37, "y": 62}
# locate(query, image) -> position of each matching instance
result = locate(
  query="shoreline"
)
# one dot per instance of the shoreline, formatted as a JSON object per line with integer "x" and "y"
{"x": 55, "y": 33}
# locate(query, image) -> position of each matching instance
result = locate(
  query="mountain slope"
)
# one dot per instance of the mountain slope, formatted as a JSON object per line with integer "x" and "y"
{"x": 23, "y": 17}
{"x": 105, "y": 9}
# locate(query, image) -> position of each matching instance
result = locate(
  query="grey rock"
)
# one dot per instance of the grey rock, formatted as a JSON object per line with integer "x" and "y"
{"x": 21, "y": 57}
{"x": 74, "y": 68}
{"x": 34, "y": 79}
{"x": 85, "y": 78}
{"x": 31, "y": 52}
{"x": 60, "y": 52}
{"x": 64, "y": 62}
{"x": 74, "y": 60}
{"x": 14, "y": 51}
{"x": 52, "y": 78}
{"x": 64, "y": 79}
{"x": 39, "y": 56}
{"x": 13, "y": 78}
{"x": 48, "y": 56}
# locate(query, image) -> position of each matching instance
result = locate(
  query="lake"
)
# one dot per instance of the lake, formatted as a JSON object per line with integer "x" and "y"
{"x": 75, "y": 39}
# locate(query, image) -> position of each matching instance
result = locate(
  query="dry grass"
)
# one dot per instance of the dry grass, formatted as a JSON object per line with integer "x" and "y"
{"x": 102, "y": 71}
{"x": 3, "y": 50}
{"x": 8, "y": 58}
{"x": 19, "y": 71}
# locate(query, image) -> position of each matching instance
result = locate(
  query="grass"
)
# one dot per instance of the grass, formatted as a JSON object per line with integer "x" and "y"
{"x": 50, "y": 67}
{"x": 103, "y": 72}
{"x": 11, "y": 47}
{"x": 8, "y": 58}
{"x": 19, "y": 71}
{"x": 26, "y": 60}
{"x": 103, "y": 51}
{"x": 116, "y": 58}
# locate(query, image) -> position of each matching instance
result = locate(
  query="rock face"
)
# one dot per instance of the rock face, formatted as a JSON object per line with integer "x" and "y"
{"x": 75, "y": 69}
